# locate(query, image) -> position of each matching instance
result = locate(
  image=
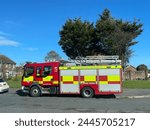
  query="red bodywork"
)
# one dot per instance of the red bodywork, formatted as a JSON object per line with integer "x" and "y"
{"x": 53, "y": 79}
{"x": 54, "y": 73}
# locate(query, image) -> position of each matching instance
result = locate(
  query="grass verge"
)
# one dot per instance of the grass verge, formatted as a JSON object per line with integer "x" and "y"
{"x": 137, "y": 84}
{"x": 15, "y": 83}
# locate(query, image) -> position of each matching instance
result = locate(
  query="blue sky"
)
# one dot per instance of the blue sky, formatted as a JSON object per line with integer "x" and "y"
{"x": 29, "y": 29}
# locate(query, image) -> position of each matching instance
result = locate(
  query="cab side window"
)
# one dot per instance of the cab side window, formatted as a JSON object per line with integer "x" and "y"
{"x": 47, "y": 70}
{"x": 29, "y": 71}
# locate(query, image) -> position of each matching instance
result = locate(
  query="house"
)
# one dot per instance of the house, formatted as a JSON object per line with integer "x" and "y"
{"x": 7, "y": 67}
{"x": 130, "y": 68}
{"x": 19, "y": 70}
{"x": 131, "y": 73}
{"x": 148, "y": 75}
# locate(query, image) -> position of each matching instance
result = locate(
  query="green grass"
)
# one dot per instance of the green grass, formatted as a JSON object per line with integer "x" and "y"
{"x": 15, "y": 83}
{"x": 137, "y": 84}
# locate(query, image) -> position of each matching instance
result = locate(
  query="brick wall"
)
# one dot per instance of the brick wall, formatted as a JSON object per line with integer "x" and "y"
{"x": 134, "y": 75}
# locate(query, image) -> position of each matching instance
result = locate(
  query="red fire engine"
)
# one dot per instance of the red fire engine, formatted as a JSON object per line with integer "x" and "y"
{"x": 92, "y": 78}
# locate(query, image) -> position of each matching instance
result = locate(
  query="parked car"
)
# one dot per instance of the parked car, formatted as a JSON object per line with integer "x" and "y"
{"x": 4, "y": 87}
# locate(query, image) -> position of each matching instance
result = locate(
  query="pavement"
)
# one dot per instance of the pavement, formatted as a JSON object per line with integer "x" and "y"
{"x": 134, "y": 93}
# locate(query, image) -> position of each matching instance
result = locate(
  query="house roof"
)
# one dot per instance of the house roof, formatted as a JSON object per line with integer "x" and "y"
{"x": 130, "y": 68}
{"x": 6, "y": 60}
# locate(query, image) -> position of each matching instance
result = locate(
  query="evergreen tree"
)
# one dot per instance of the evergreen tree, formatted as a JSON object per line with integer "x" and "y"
{"x": 117, "y": 36}
{"x": 144, "y": 68}
{"x": 76, "y": 38}
{"x": 109, "y": 36}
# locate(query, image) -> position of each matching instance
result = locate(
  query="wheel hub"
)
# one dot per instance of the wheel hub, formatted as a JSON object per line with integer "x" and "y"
{"x": 35, "y": 91}
{"x": 87, "y": 93}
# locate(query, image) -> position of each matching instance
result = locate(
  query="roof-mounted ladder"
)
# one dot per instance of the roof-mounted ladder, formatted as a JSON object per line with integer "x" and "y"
{"x": 97, "y": 60}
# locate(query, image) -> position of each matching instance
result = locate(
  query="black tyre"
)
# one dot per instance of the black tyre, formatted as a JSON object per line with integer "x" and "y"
{"x": 35, "y": 91}
{"x": 87, "y": 92}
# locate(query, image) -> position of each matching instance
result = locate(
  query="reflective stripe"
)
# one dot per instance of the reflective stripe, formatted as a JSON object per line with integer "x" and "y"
{"x": 110, "y": 79}
{"x": 28, "y": 79}
{"x": 69, "y": 82}
{"x": 113, "y": 78}
{"x": 47, "y": 78}
{"x": 67, "y": 78}
{"x": 103, "y": 78}
{"x": 114, "y": 67}
{"x": 91, "y": 67}
{"x": 75, "y": 82}
{"x": 114, "y": 82}
{"x": 61, "y": 82}
{"x": 82, "y": 82}
{"x": 103, "y": 82}
{"x": 55, "y": 82}
{"x": 40, "y": 82}
{"x": 90, "y": 78}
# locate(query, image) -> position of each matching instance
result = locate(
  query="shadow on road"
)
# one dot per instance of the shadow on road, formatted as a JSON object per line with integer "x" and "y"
{"x": 106, "y": 96}
{"x": 4, "y": 92}
{"x": 20, "y": 93}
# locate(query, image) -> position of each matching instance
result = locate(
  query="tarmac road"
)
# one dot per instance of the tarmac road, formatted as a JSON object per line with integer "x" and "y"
{"x": 15, "y": 102}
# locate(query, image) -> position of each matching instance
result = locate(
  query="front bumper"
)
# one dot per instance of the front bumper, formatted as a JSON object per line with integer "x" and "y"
{"x": 4, "y": 89}
{"x": 25, "y": 89}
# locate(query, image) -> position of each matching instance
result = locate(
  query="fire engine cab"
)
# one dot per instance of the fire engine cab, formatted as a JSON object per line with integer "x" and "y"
{"x": 92, "y": 75}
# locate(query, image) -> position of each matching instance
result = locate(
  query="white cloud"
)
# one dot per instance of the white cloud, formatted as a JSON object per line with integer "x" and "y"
{"x": 31, "y": 49}
{"x": 5, "y": 41}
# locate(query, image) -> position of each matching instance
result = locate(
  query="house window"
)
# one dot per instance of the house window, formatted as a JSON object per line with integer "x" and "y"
{"x": 10, "y": 66}
{"x": 6, "y": 65}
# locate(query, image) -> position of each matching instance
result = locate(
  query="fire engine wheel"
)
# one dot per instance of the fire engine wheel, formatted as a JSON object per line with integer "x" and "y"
{"x": 87, "y": 92}
{"x": 35, "y": 91}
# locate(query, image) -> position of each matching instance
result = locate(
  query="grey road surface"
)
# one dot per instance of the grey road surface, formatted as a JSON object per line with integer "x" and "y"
{"x": 15, "y": 102}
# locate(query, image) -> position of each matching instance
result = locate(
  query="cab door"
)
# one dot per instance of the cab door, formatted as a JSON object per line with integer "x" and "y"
{"x": 50, "y": 75}
{"x": 38, "y": 75}
{"x": 47, "y": 75}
